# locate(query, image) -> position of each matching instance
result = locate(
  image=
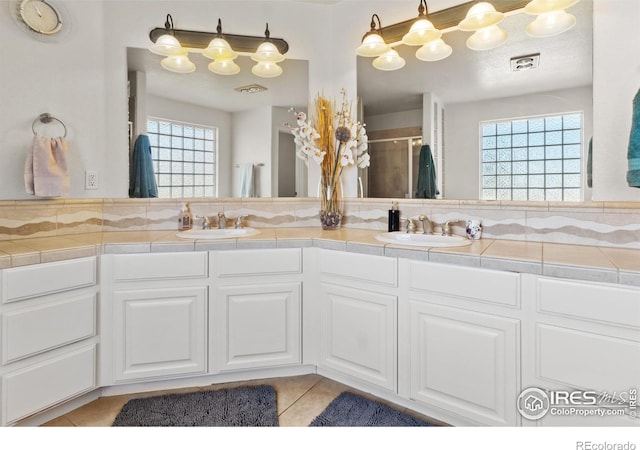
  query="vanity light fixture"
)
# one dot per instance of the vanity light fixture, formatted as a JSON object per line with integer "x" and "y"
{"x": 480, "y": 17}
{"x": 223, "y": 49}
{"x": 373, "y": 43}
{"x": 483, "y": 20}
{"x": 552, "y": 19}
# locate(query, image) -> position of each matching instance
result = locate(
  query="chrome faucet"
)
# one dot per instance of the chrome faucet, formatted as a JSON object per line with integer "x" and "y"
{"x": 425, "y": 220}
{"x": 206, "y": 223}
{"x": 446, "y": 228}
{"x": 238, "y": 224}
{"x": 222, "y": 221}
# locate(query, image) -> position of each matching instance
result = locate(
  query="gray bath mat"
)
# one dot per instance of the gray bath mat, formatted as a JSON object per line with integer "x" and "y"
{"x": 250, "y": 406}
{"x": 351, "y": 410}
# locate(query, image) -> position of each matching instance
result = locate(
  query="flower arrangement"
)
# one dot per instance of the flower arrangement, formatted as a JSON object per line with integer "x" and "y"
{"x": 333, "y": 139}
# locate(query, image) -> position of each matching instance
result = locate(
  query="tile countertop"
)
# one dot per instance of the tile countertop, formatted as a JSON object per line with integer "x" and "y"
{"x": 603, "y": 264}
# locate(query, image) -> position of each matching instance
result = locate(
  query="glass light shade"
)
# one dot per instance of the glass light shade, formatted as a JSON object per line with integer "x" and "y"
{"x": 551, "y": 24}
{"x": 266, "y": 69}
{"x": 167, "y": 45}
{"x": 178, "y": 64}
{"x": 218, "y": 48}
{"x": 267, "y": 52}
{"x": 389, "y": 61}
{"x": 434, "y": 51}
{"x": 373, "y": 45}
{"x": 536, "y": 7}
{"x": 421, "y": 32}
{"x": 481, "y": 15}
{"x": 224, "y": 67}
{"x": 487, "y": 38}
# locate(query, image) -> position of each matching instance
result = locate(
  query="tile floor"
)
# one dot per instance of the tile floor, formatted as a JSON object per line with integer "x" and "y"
{"x": 300, "y": 399}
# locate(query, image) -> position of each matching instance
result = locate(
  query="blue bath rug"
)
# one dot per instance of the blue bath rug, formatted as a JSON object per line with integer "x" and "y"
{"x": 250, "y": 406}
{"x": 351, "y": 410}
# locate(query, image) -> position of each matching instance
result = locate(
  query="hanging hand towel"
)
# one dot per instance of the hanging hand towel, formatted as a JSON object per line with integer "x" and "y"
{"x": 633, "y": 154}
{"x": 45, "y": 172}
{"x": 427, "y": 186}
{"x": 246, "y": 180}
{"x": 142, "y": 181}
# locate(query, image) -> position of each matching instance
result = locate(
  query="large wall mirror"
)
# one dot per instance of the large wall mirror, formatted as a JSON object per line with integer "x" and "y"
{"x": 250, "y": 123}
{"x": 451, "y": 98}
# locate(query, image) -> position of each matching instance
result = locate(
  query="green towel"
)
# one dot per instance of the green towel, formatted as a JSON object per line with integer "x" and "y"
{"x": 633, "y": 154}
{"x": 427, "y": 186}
{"x": 142, "y": 181}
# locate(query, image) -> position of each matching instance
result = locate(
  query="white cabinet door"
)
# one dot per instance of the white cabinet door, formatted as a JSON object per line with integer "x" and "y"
{"x": 583, "y": 336}
{"x": 358, "y": 334}
{"x": 160, "y": 332}
{"x": 255, "y": 326}
{"x": 465, "y": 362}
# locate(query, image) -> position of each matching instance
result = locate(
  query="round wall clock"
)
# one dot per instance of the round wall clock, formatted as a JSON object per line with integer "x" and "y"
{"x": 40, "y": 18}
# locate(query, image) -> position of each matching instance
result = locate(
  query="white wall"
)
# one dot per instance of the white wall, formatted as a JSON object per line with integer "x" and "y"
{"x": 66, "y": 77}
{"x": 401, "y": 119}
{"x": 252, "y": 131}
{"x": 82, "y": 77}
{"x": 461, "y": 148}
{"x": 616, "y": 79}
{"x": 186, "y": 112}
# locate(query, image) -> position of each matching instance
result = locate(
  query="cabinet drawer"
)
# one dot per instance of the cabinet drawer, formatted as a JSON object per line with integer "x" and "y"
{"x": 485, "y": 285}
{"x": 155, "y": 266}
{"x": 355, "y": 266}
{"x": 33, "y": 330}
{"x": 37, "y": 387}
{"x": 30, "y": 281}
{"x": 586, "y": 360}
{"x": 607, "y": 304}
{"x": 238, "y": 263}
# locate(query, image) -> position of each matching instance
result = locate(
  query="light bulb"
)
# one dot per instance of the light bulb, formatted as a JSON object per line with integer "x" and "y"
{"x": 434, "y": 51}
{"x": 167, "y": 45}
{"x": 421, "y": 32}
{"x": 224, "y": 67}
{"x": 178, "y": 64}
{"x": 536, "y": 7}
{"x": 389, "y": 61}
{"x": 551, "y": 24}
{"x": 218, "y": 48}
{"x": 266, "y": 69}
{"x": 372, "y": 45}
{"x": 487, "y": 38}
{"x": 267, "y": 52}
{"x": 481, "y": 15}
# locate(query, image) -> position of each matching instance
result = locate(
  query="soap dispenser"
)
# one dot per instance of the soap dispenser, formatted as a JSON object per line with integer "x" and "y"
{"x": 394, "y": 218}
{"x": 185, "y": 219}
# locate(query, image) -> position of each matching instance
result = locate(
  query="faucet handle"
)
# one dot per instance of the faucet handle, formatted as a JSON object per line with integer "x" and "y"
{"x": 206, "y": 223}
{"x": 239, "y": 220}
{"x": 222, "y": 220}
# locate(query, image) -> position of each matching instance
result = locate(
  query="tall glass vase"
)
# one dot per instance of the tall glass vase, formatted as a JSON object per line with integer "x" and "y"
{"x": 330, "y": 204}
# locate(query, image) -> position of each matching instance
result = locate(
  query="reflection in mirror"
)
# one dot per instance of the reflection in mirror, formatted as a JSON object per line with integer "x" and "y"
{"x": 451, "y": 99}
{"x": 253, "y": 146}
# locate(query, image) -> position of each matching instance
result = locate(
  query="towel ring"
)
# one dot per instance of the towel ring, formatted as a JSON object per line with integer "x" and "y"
{"x": 46, "y": 118}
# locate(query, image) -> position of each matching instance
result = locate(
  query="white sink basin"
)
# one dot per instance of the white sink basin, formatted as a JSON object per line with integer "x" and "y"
{"x": 216, "y": 233}
{"x": 422, "y": 240}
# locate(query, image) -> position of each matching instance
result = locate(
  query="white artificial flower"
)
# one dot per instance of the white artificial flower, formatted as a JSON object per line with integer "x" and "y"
{"x": 362, "y": 147}
{"x": 363, "y": 160}
{"x": 318, "y": 156}
{"x": 346, "y": 157}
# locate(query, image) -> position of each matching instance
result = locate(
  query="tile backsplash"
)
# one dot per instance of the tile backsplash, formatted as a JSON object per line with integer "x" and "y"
{"x": 608, "y": 224}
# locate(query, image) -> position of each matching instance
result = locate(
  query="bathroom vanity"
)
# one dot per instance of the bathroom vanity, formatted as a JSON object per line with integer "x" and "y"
{"x": 452, "y": 341}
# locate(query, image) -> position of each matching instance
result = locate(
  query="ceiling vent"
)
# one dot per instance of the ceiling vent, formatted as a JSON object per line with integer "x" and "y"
{"x": 251, "y": 89}
{"x": 526, "y": 62}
